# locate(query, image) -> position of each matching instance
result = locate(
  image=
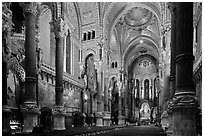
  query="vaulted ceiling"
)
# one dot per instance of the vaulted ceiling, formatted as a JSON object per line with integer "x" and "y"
{"x": 134, "y": 30}
{"x": 131, "y": 29}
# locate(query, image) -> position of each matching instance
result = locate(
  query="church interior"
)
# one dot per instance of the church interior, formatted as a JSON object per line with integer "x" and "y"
{"x": 74, "y": 64}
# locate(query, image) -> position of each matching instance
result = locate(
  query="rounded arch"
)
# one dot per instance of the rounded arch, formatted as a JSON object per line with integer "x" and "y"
{"x": 54, "y": 8}
{"x": 45, "y": 18}
{"x": 146, "y": 88}
{"x": 155, "y": 45}
{"x": 88, "y": 52}
{"x": 145, "y": 101}
{"x": 79, "y": 20}
{"x": 112, "y": 78}
{"x": 138, "y": 59}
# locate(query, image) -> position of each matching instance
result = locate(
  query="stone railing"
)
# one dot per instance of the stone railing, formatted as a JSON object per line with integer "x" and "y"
{"x": 49, "y": 73}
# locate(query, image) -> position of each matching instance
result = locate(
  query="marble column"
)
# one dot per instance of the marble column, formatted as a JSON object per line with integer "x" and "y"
{"x": 184, "y": 103}
{"x": 29, "y": 109}
{"x": 58, "y": 113}
{"x": 6, "y": 31}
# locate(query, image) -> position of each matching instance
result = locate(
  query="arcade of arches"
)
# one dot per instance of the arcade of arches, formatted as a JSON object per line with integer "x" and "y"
{"x": 70, "y": 64}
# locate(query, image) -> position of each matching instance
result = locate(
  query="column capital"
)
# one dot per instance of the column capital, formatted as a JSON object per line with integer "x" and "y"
{"x": 29, "y": 7}
{"x": 60, "y": 28}
{"x": 58, "y": 110}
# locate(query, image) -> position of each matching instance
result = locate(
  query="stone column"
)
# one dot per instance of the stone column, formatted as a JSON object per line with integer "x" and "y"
{"x": 173, "y": 49}
{"x": 106, "y": 117}
{"x": 172, "y": 8}
{"x": 65, "y": 57}
{"x": 130, "y": 99}
{"x": 133, "y": 97}
{"x": 106, "y": 95}
{"x": 126, "y": 96}
{"x": 184, "y": 103}
{"x": 6, "y": 30}
{"x": 120, "y": 117}
{"x": 100, "y": 109}
{"x": 29, "y": 109}
{"x": 58, "y": 113}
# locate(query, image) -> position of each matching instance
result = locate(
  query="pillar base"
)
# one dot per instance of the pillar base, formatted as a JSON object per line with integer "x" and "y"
{"x": 107, "y": 119}
{"x": 169, "y": 131}
{"x": 68, "y": 120}
{"x": 6, "y": 114}
{"x": 58, "y": 119}
{"x": 121, "y": 120}
{"x": 30, "y": 117}
{"x": 99, "y": 119}
{"x": 184, "y": 115}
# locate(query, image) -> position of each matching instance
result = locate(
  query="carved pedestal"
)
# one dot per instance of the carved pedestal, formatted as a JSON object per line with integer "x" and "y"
{"x": 6, "y": 113}
{"x": 170, "y": 129}
{"x": 99, "y": 119}
{"x": 58, "y": 119}
{"x": 121, "y": 120}
{"x": 107, "y": 119}
{"x": 30, "y": 116}
{"x": 184, "y": 116}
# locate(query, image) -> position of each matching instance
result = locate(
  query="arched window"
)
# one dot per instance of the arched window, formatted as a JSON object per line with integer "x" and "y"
{"x": 45, "y": 31}
{"x": 68, "y": 53}
{"x": 93, "y": 34}
{"x": 116, "y": 64}
{"x": 146, "y": 89}
{"x": 84, "y": 37}
{"x": 89, "y": 35}
{"x": 112, "y": 65}
{"x": 155, "y": 81}
{"x": 137, "y": 88}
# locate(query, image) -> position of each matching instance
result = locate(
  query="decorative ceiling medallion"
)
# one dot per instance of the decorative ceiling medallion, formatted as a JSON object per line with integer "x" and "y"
{"x": 137, "y": 16}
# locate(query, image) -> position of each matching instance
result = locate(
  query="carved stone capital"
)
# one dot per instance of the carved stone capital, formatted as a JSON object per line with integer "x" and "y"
{"x": 30, "y": 108}
{"x": 29, "y": 7}
{"x": 184, "y": 101}
{"x": 59, "y": 110}
{"x": 172, "y": 6}
{"x": 60, "y": 28}
{"x": 99, "y": 114}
